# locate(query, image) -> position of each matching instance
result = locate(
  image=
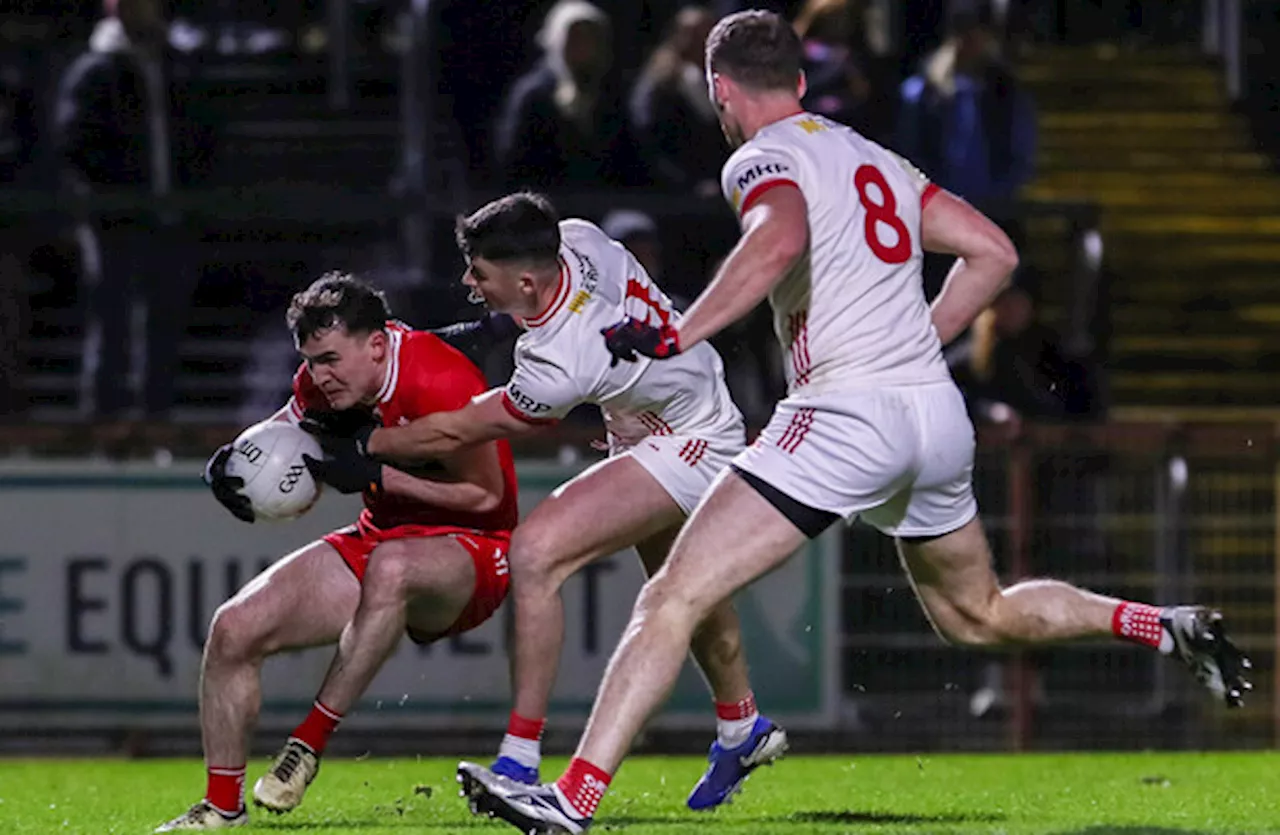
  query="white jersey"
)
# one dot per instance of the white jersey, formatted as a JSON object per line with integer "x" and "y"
{"x": 561, "y": 360}
{"x": 853, "y": 314}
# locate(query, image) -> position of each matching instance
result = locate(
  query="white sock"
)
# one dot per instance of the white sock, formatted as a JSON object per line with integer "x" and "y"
{"x": 731, "y": 733}
{"x": 527, "y": 752}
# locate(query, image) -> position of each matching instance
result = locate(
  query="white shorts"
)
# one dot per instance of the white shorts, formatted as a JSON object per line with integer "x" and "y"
{"x": 901, "y": 458}
{"x": 685, "y": 465}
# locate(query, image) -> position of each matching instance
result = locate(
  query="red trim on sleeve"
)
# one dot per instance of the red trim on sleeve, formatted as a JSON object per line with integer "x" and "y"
{"x": 515, "y": 412}
{"x": 930, "y": 191}
{"x": 760, "y": 190}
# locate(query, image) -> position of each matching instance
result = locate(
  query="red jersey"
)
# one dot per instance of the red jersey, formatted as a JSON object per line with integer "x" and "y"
{"x": 424, "y": 375}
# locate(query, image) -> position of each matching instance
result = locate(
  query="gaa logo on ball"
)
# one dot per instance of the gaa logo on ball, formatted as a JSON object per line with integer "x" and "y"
{"x": 268, "y": 456}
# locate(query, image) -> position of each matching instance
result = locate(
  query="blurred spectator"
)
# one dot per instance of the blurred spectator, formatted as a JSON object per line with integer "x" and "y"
{"x": 839, "y": 86}
{"x": 119, "y": 126}
{"x": 1011, "y": 368}
{"x": 672, "y": 116}
{"x": 965, "y": 119}
{"x": 563, "y": 123}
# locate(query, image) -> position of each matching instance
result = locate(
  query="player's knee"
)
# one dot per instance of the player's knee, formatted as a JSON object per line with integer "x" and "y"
{"x": 534, "y": 563}
{"x": 234, "y": 635}
{"x": 973, "y": 626}
{"x": 666, "y": 600}
{"x": 387, "y": 574}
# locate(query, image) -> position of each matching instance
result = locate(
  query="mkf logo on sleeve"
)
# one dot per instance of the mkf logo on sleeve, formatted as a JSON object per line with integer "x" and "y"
{"x": 758, "y": 172}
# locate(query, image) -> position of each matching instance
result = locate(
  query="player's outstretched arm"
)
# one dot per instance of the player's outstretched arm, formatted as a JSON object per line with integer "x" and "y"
{"x": 775, "y": 235}
{"x": 471, "y": 483}
{"x": 986, "y": 261}
{"x": 485, "y": 418}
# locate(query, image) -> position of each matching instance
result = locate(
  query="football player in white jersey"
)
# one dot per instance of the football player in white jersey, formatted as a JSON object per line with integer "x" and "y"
{"x": 672, "y": 427}
{"x": 834, "y": 228}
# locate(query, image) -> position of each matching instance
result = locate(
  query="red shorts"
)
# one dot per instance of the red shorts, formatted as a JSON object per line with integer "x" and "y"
{"x": 488, "y": 552}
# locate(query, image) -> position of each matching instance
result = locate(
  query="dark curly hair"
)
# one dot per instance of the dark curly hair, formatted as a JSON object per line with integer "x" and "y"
{"x": 337, "y": 300}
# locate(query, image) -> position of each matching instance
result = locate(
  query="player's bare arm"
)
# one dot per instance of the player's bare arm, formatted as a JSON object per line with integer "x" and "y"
{"x": 471, "y": 482}
{"x": 986, "y": 261}
{"x": 485, "y": 418}
{"x": 775, "y": 236}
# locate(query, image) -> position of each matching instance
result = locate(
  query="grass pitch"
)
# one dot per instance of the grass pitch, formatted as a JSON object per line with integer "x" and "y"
{"x": 1076, "y": 794}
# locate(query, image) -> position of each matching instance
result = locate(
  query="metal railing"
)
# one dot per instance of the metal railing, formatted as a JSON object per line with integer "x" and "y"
{"x": 1162, "y": 513}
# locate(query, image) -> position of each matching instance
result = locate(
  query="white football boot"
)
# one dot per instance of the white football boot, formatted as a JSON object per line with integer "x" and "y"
{"x": 281, "y": 788}
{"x": 202, "y": 815}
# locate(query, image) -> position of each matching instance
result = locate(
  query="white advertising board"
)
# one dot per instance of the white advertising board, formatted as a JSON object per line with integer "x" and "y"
{"x": 109, "y": 575}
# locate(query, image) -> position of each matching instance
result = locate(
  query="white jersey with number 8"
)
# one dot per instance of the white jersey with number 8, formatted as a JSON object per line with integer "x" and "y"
{"x": 853, "y": 314}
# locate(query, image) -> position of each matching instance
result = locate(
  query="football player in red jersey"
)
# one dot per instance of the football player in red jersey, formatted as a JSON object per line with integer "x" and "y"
{"x": 426, "y": 556}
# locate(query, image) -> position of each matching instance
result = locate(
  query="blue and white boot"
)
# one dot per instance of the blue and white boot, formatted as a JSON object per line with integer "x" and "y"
{"x": 534, "y": 810}
{"x": 729, "y": 767}
{"x": 511, "y": 769}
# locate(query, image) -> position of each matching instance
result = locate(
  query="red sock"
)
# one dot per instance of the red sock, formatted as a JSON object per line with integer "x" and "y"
{"x": 524, "y": 728}
{"x": 583, "y": 784}
{"x": 744, "y": 708}
{"x": 1139, "y": 623}
{"x": 225, "y": 789}
{"x": 315, "y": 730}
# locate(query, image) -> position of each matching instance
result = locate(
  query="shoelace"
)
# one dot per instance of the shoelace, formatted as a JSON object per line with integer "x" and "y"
{"x": 289, "y": 763}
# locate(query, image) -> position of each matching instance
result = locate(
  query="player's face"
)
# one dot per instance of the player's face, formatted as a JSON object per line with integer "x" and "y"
{"x": 505, "y": 287}
{"x": 348, "y": 369}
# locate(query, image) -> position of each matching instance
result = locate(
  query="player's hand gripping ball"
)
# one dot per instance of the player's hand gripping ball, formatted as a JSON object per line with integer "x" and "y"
{"x": 268, "y": 461}
{"x": 344, "y": 437}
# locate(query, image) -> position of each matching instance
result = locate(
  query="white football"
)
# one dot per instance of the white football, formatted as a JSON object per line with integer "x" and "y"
{"x": 268, "y": 456}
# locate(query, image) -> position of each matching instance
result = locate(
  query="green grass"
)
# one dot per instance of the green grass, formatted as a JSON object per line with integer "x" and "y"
{"x": 1084, "y": 794}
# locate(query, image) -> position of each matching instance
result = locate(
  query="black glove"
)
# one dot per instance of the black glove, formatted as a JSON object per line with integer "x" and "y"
{"x": 346, "y": 466}
{"x": 226, "y": 488}
{"x": 477, "y": 333}
{"x": 631, "y": 336}
{"x": 347, "y": 423}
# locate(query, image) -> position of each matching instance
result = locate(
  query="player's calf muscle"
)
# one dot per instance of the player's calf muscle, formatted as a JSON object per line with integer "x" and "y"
{"x": 718, "y": 637}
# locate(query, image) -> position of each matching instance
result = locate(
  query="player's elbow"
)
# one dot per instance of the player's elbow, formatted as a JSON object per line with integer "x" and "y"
{"x": 996, "y": 260}
{"x": 789, "y": 244}
{"x": 1004, "y": 256}
{"x": 793, "y": 247}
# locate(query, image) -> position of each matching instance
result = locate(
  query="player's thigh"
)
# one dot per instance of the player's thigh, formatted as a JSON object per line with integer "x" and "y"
{"x": 733, "y": 537}
{"x": 952, "y": 575}
{"x": 304, "y": 599}
{"x": 610, "y": 506}
{"x": 434, "y": 577}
